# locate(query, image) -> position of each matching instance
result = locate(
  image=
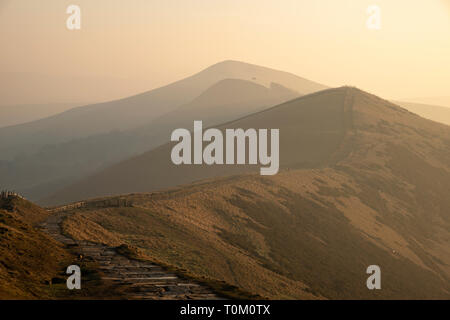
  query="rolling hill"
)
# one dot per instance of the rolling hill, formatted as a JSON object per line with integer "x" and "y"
{"x": 41, "y": 157}
{"x": 55, "y": 166}
{"x": 135, "y": 111}
{"x": 363, "y": 182}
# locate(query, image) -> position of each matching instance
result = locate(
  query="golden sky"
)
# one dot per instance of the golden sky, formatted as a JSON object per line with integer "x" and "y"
{"x": 149, "y": 43}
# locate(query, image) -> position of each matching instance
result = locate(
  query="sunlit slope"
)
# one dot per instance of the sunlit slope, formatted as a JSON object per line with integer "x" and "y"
{"x": 303, "y": 234}
{"x": 29, "y": 259}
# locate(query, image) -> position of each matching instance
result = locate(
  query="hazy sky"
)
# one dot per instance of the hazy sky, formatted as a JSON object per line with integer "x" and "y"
{"x": 148, "y": 43}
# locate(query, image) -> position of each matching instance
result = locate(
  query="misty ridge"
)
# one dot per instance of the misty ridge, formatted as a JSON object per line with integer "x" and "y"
{"x": 41, "y": 157}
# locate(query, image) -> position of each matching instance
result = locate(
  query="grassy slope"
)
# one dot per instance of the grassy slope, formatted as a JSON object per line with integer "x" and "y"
{"x": 297, "y": 236}
{"x": 308, "y": 233}
{"x": 32, "y": 264}
{"x": 29, "y": 259}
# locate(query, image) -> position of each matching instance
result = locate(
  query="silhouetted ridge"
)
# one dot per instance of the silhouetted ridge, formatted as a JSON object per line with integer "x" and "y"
{"x": 315, "y": 131}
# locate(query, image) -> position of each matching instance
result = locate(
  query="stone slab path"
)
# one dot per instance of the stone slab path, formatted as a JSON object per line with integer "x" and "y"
{"x": 140, "y": 280}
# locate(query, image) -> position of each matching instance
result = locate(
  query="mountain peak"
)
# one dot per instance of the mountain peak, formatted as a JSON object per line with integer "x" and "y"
{"x": 262, "y": 75}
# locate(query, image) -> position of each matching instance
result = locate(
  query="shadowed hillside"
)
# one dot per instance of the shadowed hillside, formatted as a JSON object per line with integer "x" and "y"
{"x": 363, "y": 182}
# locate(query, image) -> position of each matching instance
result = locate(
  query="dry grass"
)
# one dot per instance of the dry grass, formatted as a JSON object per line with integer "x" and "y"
{"x": 29, "y": 259}
{"x": 32, "y": 265}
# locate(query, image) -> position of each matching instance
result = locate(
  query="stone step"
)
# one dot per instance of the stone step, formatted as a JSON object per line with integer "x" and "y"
{"x": 134, "y": 268}
{"x": 148, "y": 266}
{"x": 189, "y": 285}
{"x": 148, "y": 281}
{"x": 137, "y": 274}
{"x": 153, "y": 284}
{"x": 138, "y": 279}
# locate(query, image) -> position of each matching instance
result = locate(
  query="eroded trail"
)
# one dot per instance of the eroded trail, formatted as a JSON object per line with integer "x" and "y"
{"x": 140, "y": 280}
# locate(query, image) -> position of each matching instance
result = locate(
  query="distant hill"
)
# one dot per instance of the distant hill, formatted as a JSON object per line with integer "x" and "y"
{"x": 226, "y": 100}
{"x": 436, "y": 101}
{"x": 55, "y": 166}
{"x": 435, "y": 113}
{"x": 17, "y": 114}
{"x": 135, "y": 111}
{"x": 363, "y": 182}
{"x": 41, "y": 157}
{"x": 33, "y": 88}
